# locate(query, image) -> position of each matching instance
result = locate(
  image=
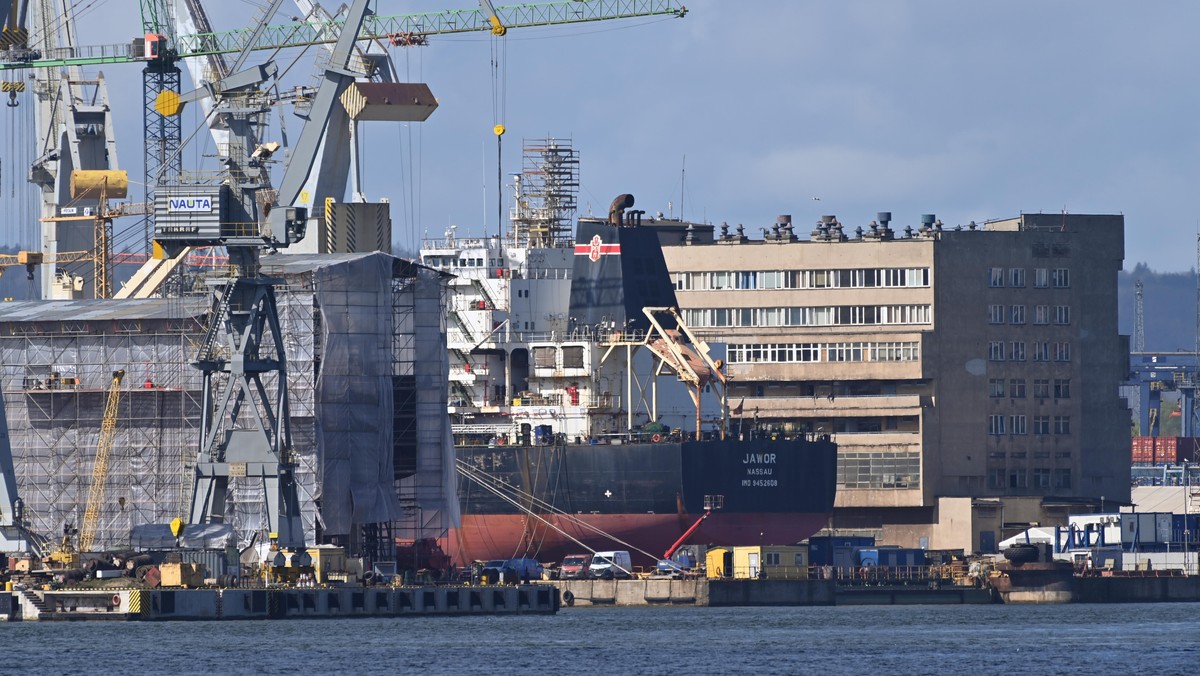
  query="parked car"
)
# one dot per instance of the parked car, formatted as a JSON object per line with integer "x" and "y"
{"x": 610, "y": 565}
{"x": 575, "y": 567}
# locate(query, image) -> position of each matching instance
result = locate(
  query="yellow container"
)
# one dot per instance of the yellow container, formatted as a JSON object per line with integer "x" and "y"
{"x": 9, "y": 586}
{"x": 89, "y": 182}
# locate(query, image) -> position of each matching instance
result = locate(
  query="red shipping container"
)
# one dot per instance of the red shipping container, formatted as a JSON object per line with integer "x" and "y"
{"x": 1164, "y": 450}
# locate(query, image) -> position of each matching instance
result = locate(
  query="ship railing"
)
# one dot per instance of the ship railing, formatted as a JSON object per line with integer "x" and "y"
{"x": 953, "y": 573}
{"x": 481, "y": 429}
{"x": 547, "y": 273}
{"x": 526, "y": 399}
{"x": 453, "y": 242}
{"x": 602, "y": 401}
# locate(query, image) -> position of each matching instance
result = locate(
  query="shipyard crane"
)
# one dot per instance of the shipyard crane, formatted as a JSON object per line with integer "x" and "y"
{"x": 162, "y": 48}
{"x": 244, "y": 431}
{"x": 99, "y": 485}
{"x": 74, "y": 125}
{"x": 399, "y": 30}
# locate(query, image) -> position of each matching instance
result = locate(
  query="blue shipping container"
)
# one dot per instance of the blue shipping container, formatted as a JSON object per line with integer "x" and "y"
{"x": 821, "y": 547}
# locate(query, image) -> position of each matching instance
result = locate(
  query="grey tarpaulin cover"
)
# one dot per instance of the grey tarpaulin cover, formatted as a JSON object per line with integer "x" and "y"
{"x": 354, "y": 393}
{"x": 195, "y": 536}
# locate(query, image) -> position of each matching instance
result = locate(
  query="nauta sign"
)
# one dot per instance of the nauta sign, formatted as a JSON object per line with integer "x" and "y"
{"x": 189, "y": 204}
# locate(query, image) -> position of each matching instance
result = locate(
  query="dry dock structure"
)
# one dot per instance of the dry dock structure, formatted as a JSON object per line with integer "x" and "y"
{"x": 364, "y": 337}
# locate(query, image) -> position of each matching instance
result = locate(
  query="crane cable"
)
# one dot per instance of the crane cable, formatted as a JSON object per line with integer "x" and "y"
{"x": 499, "y": 72}
{"x": 495, "y": 486}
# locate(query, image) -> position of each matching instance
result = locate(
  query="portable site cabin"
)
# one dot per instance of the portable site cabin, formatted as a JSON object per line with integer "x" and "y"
{"x": 718, "y": 563}
{"x": 779, "y": 562}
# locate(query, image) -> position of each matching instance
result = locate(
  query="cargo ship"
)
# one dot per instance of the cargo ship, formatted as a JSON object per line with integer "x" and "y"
{"x": 560, "y": 343}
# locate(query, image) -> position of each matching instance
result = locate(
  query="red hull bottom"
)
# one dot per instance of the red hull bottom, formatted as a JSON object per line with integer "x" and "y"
{"x": 646, "y": 536}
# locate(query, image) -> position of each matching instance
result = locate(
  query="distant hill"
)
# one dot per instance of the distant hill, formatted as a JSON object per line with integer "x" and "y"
{"x": 1170, "y": 301}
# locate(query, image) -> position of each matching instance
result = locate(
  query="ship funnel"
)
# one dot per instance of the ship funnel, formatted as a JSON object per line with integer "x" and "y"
{"x": 616, "y": 212}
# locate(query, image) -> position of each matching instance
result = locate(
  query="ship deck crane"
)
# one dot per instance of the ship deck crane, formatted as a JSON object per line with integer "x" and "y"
{"x": 99, "y": 485}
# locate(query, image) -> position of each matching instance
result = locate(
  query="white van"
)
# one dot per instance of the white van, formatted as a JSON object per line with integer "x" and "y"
{"x": 609, "y": 565}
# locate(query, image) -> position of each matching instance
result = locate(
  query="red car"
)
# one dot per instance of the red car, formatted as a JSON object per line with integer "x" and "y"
{"x": 575, "y": 567}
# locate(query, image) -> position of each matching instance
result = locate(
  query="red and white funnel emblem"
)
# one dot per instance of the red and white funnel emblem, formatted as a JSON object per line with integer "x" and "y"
{"x": 594, "y": 249}
{"x": 597, "y": 248}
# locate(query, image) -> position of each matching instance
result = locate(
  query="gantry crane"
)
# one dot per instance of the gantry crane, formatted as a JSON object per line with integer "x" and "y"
{"x": 99, "y": 485}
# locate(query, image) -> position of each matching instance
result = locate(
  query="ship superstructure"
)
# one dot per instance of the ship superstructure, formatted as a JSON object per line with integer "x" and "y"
{"x": 556, "y": 347}
{"x": 520, "y": 364}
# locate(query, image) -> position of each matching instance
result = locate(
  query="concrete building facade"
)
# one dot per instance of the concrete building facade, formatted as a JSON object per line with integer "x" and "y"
{"x": 969, "y": 375}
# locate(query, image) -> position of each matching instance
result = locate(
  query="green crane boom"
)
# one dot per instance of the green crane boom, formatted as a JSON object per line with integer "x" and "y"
{"x": 401, "y": 30}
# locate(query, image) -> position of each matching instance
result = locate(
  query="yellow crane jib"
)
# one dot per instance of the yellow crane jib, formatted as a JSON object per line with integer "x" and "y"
{"x": 108, "y": 429}
{"x": 498, "y": 28}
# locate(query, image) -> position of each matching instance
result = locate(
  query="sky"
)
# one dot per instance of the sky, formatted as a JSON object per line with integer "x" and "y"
{"x": 741, "y": 111}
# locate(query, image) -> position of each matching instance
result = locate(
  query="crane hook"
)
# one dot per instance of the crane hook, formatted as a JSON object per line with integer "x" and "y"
{"x": 12, "y": 99}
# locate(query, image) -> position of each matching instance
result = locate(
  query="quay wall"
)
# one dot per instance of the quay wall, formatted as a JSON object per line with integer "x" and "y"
{"x": 243, "y": 604}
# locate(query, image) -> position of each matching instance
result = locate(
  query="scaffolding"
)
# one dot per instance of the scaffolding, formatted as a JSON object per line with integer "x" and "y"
{"x": 357, "y": 330}
{"x": 547, "y": 190}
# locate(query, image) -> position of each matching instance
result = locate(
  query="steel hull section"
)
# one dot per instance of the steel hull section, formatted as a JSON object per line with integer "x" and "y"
{"x": 537, "y": 500}
{"x": 502, "y": 536}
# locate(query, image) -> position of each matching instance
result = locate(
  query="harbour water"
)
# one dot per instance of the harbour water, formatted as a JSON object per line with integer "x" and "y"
{"x": 1158, "y": 639}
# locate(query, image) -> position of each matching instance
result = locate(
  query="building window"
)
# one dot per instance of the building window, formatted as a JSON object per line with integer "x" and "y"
{"x": 996, "y": 478}
{"x": 995, "y": 425}
{"x": 1041, "y": 351}
{"x": 1017, "y": 424}
{"x": 1017, "y": 314}
{"x": 1041, "y": 388}
{"x": 1062, "y": 388}
{"x": 1062, "y": 478}
{"x": 1062, "y": 314}
{"x": 1016, "y": 388}
{"x": 879, "y": 470}
{"x": 1062, "y": 352}
{"x": 1041, "y": 477}
{"x": 1017, "y": 478}
{"x": 995, "y": 314}
{"x": 996, "y": 388}
{"x": 996, "y": 277}
{"x": 1041, "y": 314}
{"x": 770, "y": 558}
{"x": 1061, "y": 278}
{"x": 1041, "y": 425}
{"x": 1062, "y": 424}
{"x": 1016, "y": 277}
{"x": 996, "y": 350}
{"x": 1017, "y": 350}
{"x": 1041, "y": 278}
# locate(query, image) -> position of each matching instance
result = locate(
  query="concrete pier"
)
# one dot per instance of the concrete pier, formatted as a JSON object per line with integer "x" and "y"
{"x": 717, "y": 593}
{"x": 245, "y": 604}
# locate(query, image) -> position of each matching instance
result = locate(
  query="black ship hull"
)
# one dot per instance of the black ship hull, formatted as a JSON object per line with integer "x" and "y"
{"x": 549, "y": 501}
